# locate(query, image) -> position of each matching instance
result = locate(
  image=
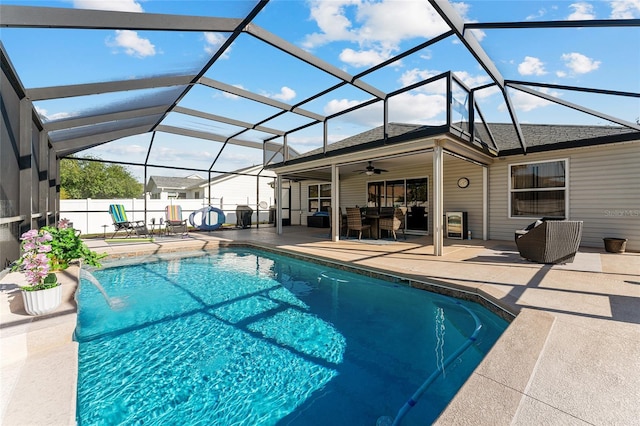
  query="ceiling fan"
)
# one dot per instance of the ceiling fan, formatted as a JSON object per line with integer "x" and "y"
{"x": 370, "y": 170}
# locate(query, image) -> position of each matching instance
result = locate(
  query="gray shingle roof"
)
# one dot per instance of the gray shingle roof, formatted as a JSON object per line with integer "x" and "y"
{"x": 175, "y": 182}
{"x": 537, "y": 136}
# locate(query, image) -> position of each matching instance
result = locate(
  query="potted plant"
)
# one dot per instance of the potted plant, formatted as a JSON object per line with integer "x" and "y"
{"x": 66, "y": 246}
{"x": 44, "y": 293}
{"x": 43, "y": 252}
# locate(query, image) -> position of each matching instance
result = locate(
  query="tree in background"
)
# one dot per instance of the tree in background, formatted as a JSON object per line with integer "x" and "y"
{"x": 81, "y": 178}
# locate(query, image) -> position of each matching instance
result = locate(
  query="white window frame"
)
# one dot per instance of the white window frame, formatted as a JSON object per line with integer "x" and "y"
{"x": 510, "y": 190}
{"x": 319, "y": 198}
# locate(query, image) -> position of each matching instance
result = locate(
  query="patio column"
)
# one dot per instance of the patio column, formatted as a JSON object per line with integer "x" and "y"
{"x": 279, "y": 205}
{"x": 336, "y": 219}
{"x": 438, "y": 209}
{"x": 485, "y": 203}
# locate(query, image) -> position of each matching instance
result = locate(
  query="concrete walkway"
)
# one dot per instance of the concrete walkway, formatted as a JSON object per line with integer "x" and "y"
{"x": 570, "y": 356}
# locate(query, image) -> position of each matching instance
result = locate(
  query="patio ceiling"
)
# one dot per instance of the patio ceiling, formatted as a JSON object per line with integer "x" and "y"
{"x": 256, "y": 83}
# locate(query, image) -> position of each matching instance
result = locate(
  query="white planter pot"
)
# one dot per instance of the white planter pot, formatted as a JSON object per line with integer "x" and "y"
{"x": 42, "y": 301}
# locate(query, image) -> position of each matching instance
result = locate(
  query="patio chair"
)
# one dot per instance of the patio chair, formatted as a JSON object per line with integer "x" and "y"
{"x": 550, "y": 241}
{"x": 173, "y": 220}
{"x": 395, "y": 223}
{"x": 354, "y": 222}
{"x": 121, "y": 223}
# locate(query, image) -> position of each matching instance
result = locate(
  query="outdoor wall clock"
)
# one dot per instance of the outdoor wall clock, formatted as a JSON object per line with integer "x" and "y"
{"x": 463, "y": 182}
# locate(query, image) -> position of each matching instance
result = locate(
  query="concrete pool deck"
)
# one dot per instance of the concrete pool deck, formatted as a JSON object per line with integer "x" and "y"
{"x": 570, "y": 357}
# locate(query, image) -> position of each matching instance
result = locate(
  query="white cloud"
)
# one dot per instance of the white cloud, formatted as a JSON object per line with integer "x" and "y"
{"x": 377, "y": 28}
{"x": 579, "y": 63}
{"x": 418, "y": 108}
{"x": 363, "y": 58}
{"x": 231, "y": 95}
{"x": 625, "y": 9}
{"x": 581, "y": 10}
{"x": 44, "y": 114}
{"x": 117, "y": 5}
{"x": 336, "y": 105}
{"x": 213, "y": 42}
{"x": 531, "y": 66}
{"x": 286, "y": 94}
{"x": 132, "y": 44}
{"x": 525, "y": 102}
{"x": 120, "y": 150}
{"x": 439, "y": 87}
{"x": 414, "y": 75}
{"x": 368, "y": 116}
{"x": 561, "y": 74}
{"x": 472, "y": 80}
{"x": 537, "y": 15}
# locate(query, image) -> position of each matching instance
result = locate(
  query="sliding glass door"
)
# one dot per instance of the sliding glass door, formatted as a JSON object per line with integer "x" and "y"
{"x": 411, "y": 193}
{"x": 418, "y": 205}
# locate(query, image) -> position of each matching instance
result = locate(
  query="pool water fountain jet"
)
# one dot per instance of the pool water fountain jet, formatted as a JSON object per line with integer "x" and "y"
{"x": 114, "y": 303}
{"x": 395, "y": 421}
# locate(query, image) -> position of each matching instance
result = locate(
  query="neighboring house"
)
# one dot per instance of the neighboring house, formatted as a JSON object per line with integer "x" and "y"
{"x": 165, "y": 187}
{"x": 240, "y": 187}
{"x": 586, "y": 173}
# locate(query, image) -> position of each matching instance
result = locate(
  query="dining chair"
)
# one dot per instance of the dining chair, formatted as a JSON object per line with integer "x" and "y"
{"x": 354, "y": 222}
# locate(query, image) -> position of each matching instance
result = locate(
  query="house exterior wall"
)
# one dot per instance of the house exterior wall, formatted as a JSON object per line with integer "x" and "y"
{"x": 604, "y": 192}
{"x": 240, "y": 190}
{"x": 467, "y": 199}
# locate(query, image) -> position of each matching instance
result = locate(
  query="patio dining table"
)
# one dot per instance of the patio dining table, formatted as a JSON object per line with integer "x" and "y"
{"x": 374, "y": 220}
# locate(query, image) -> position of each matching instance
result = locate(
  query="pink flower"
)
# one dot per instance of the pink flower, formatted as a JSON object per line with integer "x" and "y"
{"x": 29, "y": 234}
{"x": 34, "y": 260}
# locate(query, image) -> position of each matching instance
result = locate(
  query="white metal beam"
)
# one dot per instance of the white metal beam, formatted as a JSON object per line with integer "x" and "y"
{"x": 70, "y": 146}
{"x": 258, "y": 98}
{"x": 56, "y": 17}
{"x": 207, "y": 136}
{"x": 227, "y": 120}
{"x": 70, "y": 122}
{"x": 57, "y": 92}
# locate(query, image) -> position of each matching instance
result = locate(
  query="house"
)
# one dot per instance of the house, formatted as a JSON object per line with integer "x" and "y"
{"x": 237, "y": 187}
{"x": 165, "y": 187}
{"x": 585, "y": 173}
{"x": 247, "y": 186}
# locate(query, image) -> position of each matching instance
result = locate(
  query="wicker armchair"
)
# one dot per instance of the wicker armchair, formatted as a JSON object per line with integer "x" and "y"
{"x": 554, "y": 241}
{"x": 354, "y": 222}
{"x": 395, "y": 223}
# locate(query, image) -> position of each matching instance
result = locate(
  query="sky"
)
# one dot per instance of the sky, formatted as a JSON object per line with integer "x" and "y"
{"x": 351, "y": 35}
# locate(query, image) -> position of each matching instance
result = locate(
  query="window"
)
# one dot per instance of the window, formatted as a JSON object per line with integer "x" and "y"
{"x": 538, "y": 189}
{"x": 319, "y": 197}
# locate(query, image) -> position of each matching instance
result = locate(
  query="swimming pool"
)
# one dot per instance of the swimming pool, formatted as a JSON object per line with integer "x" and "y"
{"x": 245, "y": 337}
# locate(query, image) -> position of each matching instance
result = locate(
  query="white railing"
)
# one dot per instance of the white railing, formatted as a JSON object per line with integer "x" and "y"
{"x": 92, "y": 216}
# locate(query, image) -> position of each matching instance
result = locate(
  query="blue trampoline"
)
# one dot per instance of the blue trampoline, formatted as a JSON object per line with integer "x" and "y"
{"x": 210, "y": 218}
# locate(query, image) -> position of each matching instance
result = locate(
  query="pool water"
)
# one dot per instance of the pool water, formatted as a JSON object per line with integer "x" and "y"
{"x": 244, "y": 337}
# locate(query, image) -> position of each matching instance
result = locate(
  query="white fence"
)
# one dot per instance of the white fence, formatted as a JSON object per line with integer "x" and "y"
{"x": 92, "y": 216}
